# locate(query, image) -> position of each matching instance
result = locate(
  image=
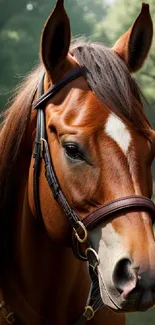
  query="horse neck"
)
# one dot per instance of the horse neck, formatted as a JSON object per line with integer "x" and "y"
{"x": 43, "y": 277}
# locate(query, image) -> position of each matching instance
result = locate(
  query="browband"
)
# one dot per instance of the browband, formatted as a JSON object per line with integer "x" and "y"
{"x": 44, "y": 98}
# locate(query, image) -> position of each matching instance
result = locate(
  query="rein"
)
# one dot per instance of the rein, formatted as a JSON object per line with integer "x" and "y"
{"x": 80, "y": 228}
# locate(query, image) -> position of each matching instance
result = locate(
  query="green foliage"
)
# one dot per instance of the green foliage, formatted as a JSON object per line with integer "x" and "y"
{"x": 21, "y": 22}
{"x": 142, "y": 318}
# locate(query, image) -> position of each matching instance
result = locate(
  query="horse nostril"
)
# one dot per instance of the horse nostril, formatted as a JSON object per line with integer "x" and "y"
{"x": 124, "y": 277}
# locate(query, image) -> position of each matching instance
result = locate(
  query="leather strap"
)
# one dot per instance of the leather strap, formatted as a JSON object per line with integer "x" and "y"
{"x": 40, "y": 133}
{"x": 44, "y": 98}
{"x": 123, "y": 204}
{"x": 94, "y": 301}
{"x": 55, "y": 187}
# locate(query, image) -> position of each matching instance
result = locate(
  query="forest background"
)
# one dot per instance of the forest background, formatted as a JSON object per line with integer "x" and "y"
{"x": 21, "y": 22}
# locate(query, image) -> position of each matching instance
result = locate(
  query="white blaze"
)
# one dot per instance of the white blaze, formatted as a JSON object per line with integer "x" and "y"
{"x": 117, "y": 130}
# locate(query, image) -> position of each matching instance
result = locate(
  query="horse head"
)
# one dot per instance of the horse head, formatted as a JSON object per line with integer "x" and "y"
{"x": 102, "y": 146}
{"x": 93, "y": 146}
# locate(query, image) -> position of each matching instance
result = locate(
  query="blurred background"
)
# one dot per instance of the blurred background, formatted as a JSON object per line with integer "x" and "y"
{"x": 21, "y": 22}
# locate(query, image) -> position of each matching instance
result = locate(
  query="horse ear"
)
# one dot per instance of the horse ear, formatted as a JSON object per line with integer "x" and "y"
{"x": 134, "y": 45}
{"x": 55, "y": 40}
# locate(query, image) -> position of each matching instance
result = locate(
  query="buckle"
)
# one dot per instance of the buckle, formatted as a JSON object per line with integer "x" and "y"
{"x": 92, "y": 258}
{"x": 89, "y": 312}
{"x": 82, "y": 229}
{"x": 10, "y": 318}
{"x": 7, "y": 314}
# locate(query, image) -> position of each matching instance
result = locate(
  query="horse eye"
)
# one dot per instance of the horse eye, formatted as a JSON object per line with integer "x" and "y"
{"x": 72, "y": 151}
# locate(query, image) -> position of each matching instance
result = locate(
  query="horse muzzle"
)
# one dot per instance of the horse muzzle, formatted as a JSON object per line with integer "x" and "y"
{"x": 131, "y": 288}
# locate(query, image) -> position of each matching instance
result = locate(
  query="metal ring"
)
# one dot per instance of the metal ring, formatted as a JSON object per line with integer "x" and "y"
{"x": 10, "y": 318}
{"x": 96, "y": 256}
{"x": 7, "y": 314}
{"x": 93, "y": 251}
{"x": 81, "y": 240}
{"x": 89, "y": 309}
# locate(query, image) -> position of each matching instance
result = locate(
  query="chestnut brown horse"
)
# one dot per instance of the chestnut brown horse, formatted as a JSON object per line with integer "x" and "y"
{"x": 97, "y": 148}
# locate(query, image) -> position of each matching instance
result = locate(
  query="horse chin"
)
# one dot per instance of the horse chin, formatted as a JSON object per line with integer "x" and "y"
{"x": 106, "y": 296}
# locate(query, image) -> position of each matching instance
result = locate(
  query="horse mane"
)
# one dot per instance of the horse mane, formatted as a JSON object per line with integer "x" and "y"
{"x": 12, "y": 135}
{"x": 110, "y": 80}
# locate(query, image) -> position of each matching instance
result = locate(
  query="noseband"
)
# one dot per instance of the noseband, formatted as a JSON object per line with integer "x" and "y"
{"x": 80, "y": 228}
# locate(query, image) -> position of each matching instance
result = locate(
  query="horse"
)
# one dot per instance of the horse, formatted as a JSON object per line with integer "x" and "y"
{"x": 76, "y": 150}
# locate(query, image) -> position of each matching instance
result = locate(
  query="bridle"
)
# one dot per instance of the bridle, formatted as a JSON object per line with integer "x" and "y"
{"x": 80, "y": 228}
